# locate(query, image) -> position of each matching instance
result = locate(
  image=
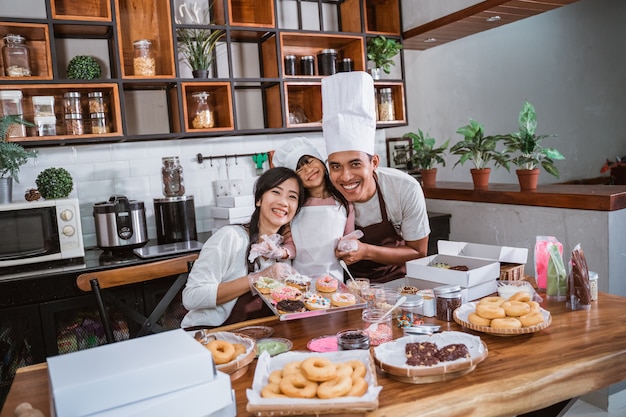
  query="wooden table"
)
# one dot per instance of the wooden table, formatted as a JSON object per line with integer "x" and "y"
{"x": 581, "y": 351}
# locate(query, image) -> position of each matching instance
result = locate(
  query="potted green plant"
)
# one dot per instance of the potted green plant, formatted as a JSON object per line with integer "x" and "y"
{"x": 83, "y": 67}
{"x": 12, "y": 157}
{"x": 381, "y": 51}
{"x": 425, "y": 156}
{"x": 54, "y": 183}
{"x": 530, "y": 154}
{"x": 197, "y": 45}
{"x": 479, "y": 149}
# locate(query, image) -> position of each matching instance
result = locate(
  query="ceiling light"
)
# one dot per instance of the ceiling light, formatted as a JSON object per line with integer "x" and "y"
{"x": 430, "y": 40}
{"x": 495, "y": 18}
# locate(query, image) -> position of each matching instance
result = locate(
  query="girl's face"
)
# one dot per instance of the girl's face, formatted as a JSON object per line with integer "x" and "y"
{"x": 278, "y": 206}
{"x": 311, "y": 172}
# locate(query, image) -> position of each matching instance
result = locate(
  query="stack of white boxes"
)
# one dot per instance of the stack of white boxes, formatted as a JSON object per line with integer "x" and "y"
{"x": 483, "y": 262}
{"x": 232, "y": 210}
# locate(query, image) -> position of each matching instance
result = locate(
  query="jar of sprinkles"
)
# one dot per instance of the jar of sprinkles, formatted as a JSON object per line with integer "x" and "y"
{"x": 383, "y": 332}
{"x": 353, "y": 339}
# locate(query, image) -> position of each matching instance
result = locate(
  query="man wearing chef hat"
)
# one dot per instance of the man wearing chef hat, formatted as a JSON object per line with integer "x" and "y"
{"x": 389, "y": 204}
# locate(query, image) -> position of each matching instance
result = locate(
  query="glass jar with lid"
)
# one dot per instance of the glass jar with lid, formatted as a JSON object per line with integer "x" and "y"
{"x": 71, "y": 103}
{"x": 143, "y": 63}
{"x": 97, "y": 103}
{"x": 203, "y": 112}
{"x": 45, "y": 119}
{"x": 99, "y": 123}
{"x": 74, "y": 124}
{"x": 411, "y": 311}
{"x": 16, "y": 56}
{"x": 11, "y": 105}
{"x": 386, "y": 111}
{"x": 172, "y": 175}
{"x": 448, "y": 298}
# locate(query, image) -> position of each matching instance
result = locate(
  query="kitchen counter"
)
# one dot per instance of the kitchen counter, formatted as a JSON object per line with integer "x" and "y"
{"x": 581, "y": 351}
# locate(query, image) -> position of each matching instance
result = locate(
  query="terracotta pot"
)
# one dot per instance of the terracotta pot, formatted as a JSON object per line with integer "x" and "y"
{"x": 480, "y": 177}
{"x": 528, "y": 179}
{"x": 429, "y": 177}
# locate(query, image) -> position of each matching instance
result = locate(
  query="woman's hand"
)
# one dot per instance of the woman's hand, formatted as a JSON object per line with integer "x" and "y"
{"x": 278, "y": 271}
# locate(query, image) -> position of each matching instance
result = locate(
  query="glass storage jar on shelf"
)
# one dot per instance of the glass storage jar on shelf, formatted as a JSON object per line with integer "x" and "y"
{"x": 143, "y": 63}
{"x": 11, "y": 105}
{"x": 74, "y": 124}
{"x": 97, "y": 103}
{"x": 203, "y": 113}
{"x": 386, "y": 111}
{"x": 45, "y": 119}
{"x": 172, "y": 175}
{"x": 16, "y": 56}
{"x": 99, "y": 123}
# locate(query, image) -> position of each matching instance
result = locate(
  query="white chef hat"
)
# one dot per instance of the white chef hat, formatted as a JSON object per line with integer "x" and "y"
{"x": 290, "y": 153}
{"x": 349, "y": 119}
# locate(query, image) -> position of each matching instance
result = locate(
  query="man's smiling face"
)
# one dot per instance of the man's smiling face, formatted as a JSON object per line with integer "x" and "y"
{"x": 352, "y": 173}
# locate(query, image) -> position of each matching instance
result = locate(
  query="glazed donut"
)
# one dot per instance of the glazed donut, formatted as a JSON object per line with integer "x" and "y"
{"x": 520, "y": 296}
{"x": 285, "y": 293}
{"x": 222, "y": 351}
{"x": 326, "y": 284}
{"x": 276, "y": 376}
{"x": 265, "y": 284}
{"x": 292, "y": 367}
{"x": 318, "y": 369}
{"x": 358, "y": 369}
{"x": 494, "y": 300}
{"x": 272, "y": 390}
{"x": 343, "y": 369}
{"x": 337, "y": 387}
{"x": 515, "y": 308}
{"x": 342, "y": 299}
{"x": 490, "y": 311}
{"x": 478, "y": 320}
{"x": 531, "y": 319}
{"x": 297, "y": 386}
{"x": 239, "y": 349}
{"x": 506, "y": 323}
{"x": 534, "y": 306}
{"x": 359, "y": 387}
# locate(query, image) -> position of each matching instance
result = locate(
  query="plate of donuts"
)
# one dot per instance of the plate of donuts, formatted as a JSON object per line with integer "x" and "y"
{"x": 232, "y": 352}
{"x": 503, "y": 317}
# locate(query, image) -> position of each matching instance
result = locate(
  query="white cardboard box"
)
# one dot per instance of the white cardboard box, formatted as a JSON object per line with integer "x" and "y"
{"x": 118, "y": 374}
{"x": 235, "y": 201}
{"x": 478, "y": 250}
{"x": 480, "y": 270}
{"x": 231, "y": 212}
{"x": 218, "y": 223}
{"x": 481, "y": 290}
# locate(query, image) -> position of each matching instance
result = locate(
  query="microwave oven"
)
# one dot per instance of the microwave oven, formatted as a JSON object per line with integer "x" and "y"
{"x": 40, "y": 231}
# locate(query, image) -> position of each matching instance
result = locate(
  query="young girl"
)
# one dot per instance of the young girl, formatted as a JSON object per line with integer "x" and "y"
{"x": 326, "y": 216}
{"x": 218, "y": 289}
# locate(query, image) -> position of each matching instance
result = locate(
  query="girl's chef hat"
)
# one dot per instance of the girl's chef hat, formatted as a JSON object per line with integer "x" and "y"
{"x": 290, "y": 153}
{"x": 349, "y": 120}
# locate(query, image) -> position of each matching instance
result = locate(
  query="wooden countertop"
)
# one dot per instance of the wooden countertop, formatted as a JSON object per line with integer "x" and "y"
{"x": 581, "y": 351}
{"x": 572, "y": 196}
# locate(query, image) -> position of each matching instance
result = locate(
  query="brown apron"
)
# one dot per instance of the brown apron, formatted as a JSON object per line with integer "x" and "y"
{"x": 379, "y": 234}
{"x": 248, "y": 307}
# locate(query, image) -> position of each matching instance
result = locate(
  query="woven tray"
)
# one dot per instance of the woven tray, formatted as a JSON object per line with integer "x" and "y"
{"x": 511, "y": 272}
{"x": 461, "y": 317}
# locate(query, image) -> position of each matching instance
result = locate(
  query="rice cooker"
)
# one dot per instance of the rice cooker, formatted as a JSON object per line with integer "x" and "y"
{"x": 120, "y": 223}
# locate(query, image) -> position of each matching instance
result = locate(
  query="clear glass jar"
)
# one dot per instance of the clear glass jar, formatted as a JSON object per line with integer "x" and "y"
{"x": 74, "y": 124}
{"x": 143, "y": 63}
{"x": 203, "y": 115}
{"x": 411, "y": 311}
{"x": 386, "y": 111}
{"x": 16, "y": 56}
{"x": 99, "y": 123}
{"x": 71, "y": 104}
{"x": 448, "y": 298}
{"x": 353, "y": 339}
{"x": 172, "y": 174}
{"x": 383, "y": 332}
{"x": 97, "y": 104}
{"x": 11, "y": 105}
{"x": 307, "y": 65}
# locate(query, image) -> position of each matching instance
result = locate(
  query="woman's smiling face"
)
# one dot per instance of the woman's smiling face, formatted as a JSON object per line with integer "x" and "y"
{"x": 278, "y": 206}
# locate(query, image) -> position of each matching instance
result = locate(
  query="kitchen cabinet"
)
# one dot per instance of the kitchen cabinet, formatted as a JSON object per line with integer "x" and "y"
{"x": 248, "y": 88}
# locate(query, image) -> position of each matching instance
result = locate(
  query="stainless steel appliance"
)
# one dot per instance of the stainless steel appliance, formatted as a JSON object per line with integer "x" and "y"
{"x": 120, "y": 223}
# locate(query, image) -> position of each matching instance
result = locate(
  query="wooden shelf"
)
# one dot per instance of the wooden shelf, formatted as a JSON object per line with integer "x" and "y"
{"x": 381, "y": 17}
{"x": 220, "y": 101}
{"x": 250, "y": 13}
{"x": 399, "y": 105}
{"x": 38, "y": 43}
{"x": 89, "y": 10}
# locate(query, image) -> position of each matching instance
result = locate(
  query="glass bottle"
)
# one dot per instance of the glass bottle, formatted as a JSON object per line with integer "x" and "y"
{"x": 203, "y": 116}
{"x": 172, "y": 174}
{"x": 143, "y": 63}
{"x": 11, "y": 105}
{"x": 16, "y": 56}
{"x": 386, "y": 112}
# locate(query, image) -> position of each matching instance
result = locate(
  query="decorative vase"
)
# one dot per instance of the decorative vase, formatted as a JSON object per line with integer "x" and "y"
{"x": 528, "y": 179}
{"x": 480, "y": 177}
{"x": 429, "y": 177}
{"x": 375, "y": 73}
{"x": 200, "y": 73}
{"x": 6, "y": 190}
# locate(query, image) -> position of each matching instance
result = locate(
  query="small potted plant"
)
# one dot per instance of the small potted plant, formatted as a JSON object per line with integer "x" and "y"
{"x": 12, "y": 157}
{"x": 83, "y": 67}
{"x": 381, "y": 51}
{"x": 196, "y": 45}
{"x": 425, "y": 156}
{"x": 54, "y": 183}
{"x": 479, "y": 149}
{"x": 530, "y": 154}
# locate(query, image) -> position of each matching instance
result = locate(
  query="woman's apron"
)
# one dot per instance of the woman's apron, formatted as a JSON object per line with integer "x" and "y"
{"x": 315, "y": 232}
{"x": 379, "y": 234}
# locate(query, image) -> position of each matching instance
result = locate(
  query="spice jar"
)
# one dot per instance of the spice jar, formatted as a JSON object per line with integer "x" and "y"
{"x": 203, "y": 115}
{"x": 327, "y": 62}
{"x": 172, "y": 174}
{"x": 71, "y": 103}
{"x": 290, "y": 64}
{"x": 593, "y": 285}
{"x": 74, "y": 124}
{"x": 386, "y": 112}
{"x": 99, "y": 124}
{"x": 307, "y": 65}
{"x": 411, "y": 311}
{"x": 11, "y": 105}
{"x": 97, "y": 104}
{"x": 353, "y": 339}
{"x": 16, "y": 56}
{"x": 448, "y": 298}
{"x": 383, "y": 332}
{"x": 143, "y": 63}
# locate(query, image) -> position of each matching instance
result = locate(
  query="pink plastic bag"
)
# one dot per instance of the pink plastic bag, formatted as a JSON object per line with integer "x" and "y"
{"x": 542, "y": 257}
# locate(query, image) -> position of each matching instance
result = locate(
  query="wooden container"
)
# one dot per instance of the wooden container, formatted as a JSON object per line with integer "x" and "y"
{"x": 250, "y": 13}
{"x": 221, "y": 101}
{"x": 511, "y": 272}
{"x": 94, "y": 10}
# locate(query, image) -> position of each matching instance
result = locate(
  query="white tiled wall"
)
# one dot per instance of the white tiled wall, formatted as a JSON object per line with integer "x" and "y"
{"x": 134, "y": 170}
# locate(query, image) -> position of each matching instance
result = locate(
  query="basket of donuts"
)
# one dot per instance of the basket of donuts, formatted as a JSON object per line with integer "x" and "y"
{"x": 422, "y": 359}
{"x": 232, "y": 352}
{"x": 297, "y": 383}
{"x": 504, "y": 317}
{"x": 300, "y": 296}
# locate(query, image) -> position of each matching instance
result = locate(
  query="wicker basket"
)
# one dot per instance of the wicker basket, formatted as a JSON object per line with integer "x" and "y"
{"x": 511, "y": 272}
